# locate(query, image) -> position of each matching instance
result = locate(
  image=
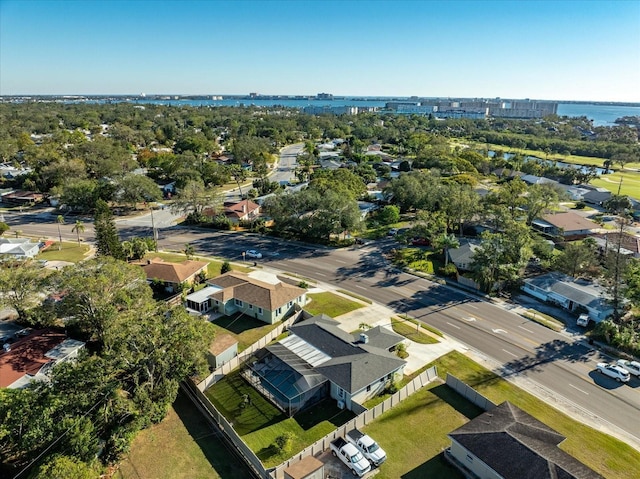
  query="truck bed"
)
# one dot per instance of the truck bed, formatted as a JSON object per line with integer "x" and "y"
{"x": 338, "y": 443}
{"x": 354, "y": 434}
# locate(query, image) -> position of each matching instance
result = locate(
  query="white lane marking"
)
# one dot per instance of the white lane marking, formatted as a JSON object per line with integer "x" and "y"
{"x": 361, "y": 287}
{"x": 457, "y": 327}
{"x": 472, "y": 306}
{"x": 498, "y": 330}
{"x": 340, "y": 261}
{"x": 320, "y": 274}
{"x": 469, "y": 319}
{"x": 509, "y": 352}
{"x": 527, "y": 330}
{"x": 574, "y": 387}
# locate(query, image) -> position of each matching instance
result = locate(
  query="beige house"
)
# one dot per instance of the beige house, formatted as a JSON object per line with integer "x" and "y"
{"x": 245, "y": 210}
{"x": 173, "y": 274}
{"x": 260, "y": 295}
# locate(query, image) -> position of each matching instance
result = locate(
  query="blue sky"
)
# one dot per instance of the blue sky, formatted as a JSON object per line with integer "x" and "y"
{"x": 561, "y": 50}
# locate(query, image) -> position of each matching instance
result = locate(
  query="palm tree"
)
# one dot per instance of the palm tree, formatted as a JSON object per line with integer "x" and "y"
{"x": 446, "y": 242}
{"x": 78, "y": 228}
{"x": 189, "y": 251}
{"x": 60, "y": 221}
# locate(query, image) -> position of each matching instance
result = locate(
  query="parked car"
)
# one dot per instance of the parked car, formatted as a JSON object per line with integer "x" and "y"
{"x": 583, "y": 320}
{"x": 420, "y": 242}
{"x": 367, "y": 446}
{"x": 614, "y": 371}
{"x": 351, "y": 456}
{"x": 392, "y": 232}
{"x": 362, "y": 241}
{"x": 632, "y": 366}
{"x": 251, "y": 253}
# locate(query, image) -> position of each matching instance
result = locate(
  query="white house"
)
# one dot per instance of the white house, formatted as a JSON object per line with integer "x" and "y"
{"x": 19, "y": 248}
{"x": 571, "y": 294}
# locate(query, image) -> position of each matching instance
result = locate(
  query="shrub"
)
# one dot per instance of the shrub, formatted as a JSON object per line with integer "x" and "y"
{"x": 284, "y": 442}
{"x": 580, "y": 205}
{"x": 449, "y": 270}
{"x": 303, "y": 285}
{"x": 225, "y": 268}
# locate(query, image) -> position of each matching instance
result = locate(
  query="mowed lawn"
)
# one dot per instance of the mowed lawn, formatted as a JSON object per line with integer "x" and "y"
{"x": 72, "y": 252}
{"x": 331, "y": 304}
{"x": 608, "y": 456}
{"x": 630, "y": 183}
{"x": 182, "y": 446}
{"x": 245, "y": 329}
{"x": 259, "y": 422}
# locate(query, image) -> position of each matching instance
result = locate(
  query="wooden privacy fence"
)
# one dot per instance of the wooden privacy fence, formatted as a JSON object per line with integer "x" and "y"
{"x": 361, "y": 420}
{"x": 469, "y": 393}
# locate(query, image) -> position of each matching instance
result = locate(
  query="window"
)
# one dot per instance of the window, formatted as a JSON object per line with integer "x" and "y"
{"x": 369, "y": 388}
{"x": 290, "y": 303}
{"x": 390, "y": 376}
{"x": 469, "y": 458}
{"x": 260, "y": 310}
{"x": 279, "y": 311}
{"x": 251, "y": 306}
{"x": 238, "y": 302}
{"x": 340, "y": 393}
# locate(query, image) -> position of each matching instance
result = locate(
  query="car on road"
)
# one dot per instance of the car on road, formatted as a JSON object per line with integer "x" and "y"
{"x": 362, "y": 241}
{"x": 251, "y": 253}
{"x": 392, "y": 232}
{"x": 614, "y": 371}
{"x": 632, "y": 366}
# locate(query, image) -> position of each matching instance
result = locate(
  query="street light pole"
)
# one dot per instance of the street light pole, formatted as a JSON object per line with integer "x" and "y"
{"x": 154, "y": 232}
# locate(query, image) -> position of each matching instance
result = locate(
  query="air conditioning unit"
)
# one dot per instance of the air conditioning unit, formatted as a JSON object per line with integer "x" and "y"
{"x": 340, "y": 404}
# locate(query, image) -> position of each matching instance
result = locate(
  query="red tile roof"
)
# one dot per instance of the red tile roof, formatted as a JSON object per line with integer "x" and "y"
{"x": 27, "y": 355}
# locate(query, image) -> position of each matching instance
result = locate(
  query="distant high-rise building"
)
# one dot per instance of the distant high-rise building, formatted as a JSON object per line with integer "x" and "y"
{"x": 253, "y": 95}
{"x": 324, "y": 96}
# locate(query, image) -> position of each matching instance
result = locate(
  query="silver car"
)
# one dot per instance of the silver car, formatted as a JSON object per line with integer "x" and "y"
{"x": 632, "y": 366}
{"x": 614, "y": 371}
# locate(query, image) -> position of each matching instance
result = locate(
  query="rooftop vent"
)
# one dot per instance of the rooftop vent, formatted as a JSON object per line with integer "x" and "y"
{"x": 364, "y": 338}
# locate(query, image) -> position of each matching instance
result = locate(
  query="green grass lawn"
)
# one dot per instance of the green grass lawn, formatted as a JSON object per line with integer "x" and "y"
{"x": 415, "y": 258}
{"x": 544, "y": 319}
{"x": 630, "y": 183}
{"x": 260, "y": 422}
{"x": 245, "y": 329}
{"x": 182, "y": 446}
{"x": 413, "y": 332}
{"x": 70, "y": 251}
{"x": 330, "y": 304}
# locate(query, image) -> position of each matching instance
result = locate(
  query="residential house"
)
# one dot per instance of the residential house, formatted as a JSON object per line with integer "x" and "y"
{"x": 596, "y": 196}
{"x": 538, "y": 180}
{"x": 32, "y": 357}
{"x": 19, "y": 248}
{"x": 462, "y": 256}
{"x": 508, "y": 443}
{"x": 172, "y": 275}
{"x": 571, "y": 294}
{"x": 245, "y": 210}
{"x": 20, "y": 197}
{"x": 629, "y": 244}
{"x": 223, "y": 349}
{"x": 319, "y": 360}
{"x": 568, "y": 225}
{"x": 260, "y": 295}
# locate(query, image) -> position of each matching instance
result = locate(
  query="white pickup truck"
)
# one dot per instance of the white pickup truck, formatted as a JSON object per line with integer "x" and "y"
{"x": 351, "y": 456}
{"x": 367, "y": 446}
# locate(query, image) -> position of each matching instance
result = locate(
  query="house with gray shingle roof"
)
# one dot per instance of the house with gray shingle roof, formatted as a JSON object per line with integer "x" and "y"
{"x": 319, "y": 360}
{"x": 571, "y": 294}
{"x": 508, "y": 443}
{"x": 262, "y": 296}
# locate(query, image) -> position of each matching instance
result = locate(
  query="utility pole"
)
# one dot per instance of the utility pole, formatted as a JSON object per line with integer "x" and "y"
{"x": 154, "y": 232}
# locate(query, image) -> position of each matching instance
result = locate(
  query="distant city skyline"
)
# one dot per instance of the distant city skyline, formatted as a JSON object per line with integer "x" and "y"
{"x": 548, "y": 50}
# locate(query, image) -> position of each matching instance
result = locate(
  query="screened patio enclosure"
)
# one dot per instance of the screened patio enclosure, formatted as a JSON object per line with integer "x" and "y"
{"x": 284, "y": 373}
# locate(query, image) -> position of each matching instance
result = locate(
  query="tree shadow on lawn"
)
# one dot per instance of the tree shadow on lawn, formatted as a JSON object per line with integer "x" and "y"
{"x": 457, "y": 402}
{"x": 437, "y": 466}
{"x": 208, "y": 439}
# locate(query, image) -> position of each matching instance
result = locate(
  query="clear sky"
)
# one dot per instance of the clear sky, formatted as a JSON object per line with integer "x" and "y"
{"x": 561, "y": 50}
